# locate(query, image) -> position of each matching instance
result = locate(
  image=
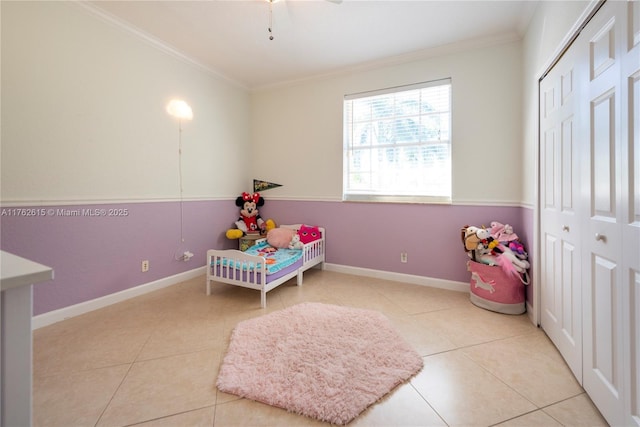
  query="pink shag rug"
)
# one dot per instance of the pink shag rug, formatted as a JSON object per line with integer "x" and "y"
{"x": 324, "y": 361}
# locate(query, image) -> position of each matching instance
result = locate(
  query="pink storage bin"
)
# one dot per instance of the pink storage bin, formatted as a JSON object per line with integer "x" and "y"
{"x": 495, "y": 290}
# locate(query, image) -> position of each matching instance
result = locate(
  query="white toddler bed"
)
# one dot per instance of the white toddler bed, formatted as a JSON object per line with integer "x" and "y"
{"x": 253, "y": 269}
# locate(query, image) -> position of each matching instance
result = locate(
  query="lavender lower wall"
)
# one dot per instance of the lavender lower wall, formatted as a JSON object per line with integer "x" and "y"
{"x": 94, "y": 254}
{"x": 97, "y": 250}
{"x": 372, "y": 235}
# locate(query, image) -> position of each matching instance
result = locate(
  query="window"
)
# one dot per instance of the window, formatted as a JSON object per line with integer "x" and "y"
{"x": 397, "y": 144}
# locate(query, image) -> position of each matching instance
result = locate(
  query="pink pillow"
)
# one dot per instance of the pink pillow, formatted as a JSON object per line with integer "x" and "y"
{"x": 309, "y": 234}
{"x": 280, "y": 237}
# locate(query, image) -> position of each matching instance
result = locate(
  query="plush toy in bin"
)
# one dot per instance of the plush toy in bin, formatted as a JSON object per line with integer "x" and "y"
{"x": 249, "y": 222}
{"x": 498, "y": 265}
{"x": 481, "y": 246}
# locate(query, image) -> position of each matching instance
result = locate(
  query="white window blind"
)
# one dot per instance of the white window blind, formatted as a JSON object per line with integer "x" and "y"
{"x": 397, "y": 144}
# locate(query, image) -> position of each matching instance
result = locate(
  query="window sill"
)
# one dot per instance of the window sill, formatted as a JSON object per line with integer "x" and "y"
{"x": 370, "y": 198}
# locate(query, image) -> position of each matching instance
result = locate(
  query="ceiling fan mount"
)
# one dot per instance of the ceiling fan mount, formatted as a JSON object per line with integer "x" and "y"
{"x": 271, "y": 2}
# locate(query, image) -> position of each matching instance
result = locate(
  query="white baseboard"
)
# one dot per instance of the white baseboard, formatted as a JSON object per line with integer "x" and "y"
{"x": 52, "y": 317}
{"x": 416, "y": 280}
{"x": 400, "y": 277}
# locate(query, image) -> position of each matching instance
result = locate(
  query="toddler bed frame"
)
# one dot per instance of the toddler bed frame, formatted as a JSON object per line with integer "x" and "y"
{"x": 250, "y": 271}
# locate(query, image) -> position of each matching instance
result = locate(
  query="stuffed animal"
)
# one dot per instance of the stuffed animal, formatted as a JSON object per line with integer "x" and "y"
{"x": 482, "y": 247}
{"x": 510, "y": 263}
{"x": 280, "y": 237}
{"x": 518, "y": 249}
{"x": 284, "y": 238}
{"x": 309, "y": 233}
{"x": 249, "y": 222}
{"x": 505, "y": 235}
{"x": 473, "y": 237}
{"x": 295, "y": 242}
{"x": 502, "y": 232}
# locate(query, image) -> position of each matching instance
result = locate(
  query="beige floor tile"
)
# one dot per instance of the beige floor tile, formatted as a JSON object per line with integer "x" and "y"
{"x": 184, "y": 335}
{"x": 222, "y": 397}
{"x": 364, "y": 295}
{"x": 243, "y": 412}
{"x": 425, "y": 339}
{"x": 402, "y": 407}
{"x": 87, "y": 349}
{"x": 345, "y": 284}
{"x": 137, "y": 315}
{"x": 186, "y": 306}
{"x": 370, "y": 300}
{"x": 162, "y": 387}
{"x": 197, "y": 418}
{"x": 421, "y": 299}
{"x": 532, "y": 419}
{"x": 311, "y": 290}
{"x": 576, "y": 412}
{"x": 465, "y": 394}
{"x": 470, "y": 325}
{"x": 154, "y": 359}
{"x": 531, "y": 365}
{"x": 76, "y": 399}
{"x": 233, "y": 316}
{"x": 236, "y": 298}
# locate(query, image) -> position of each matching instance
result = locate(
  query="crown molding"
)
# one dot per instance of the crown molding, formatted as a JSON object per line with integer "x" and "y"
{"x": 432, "y": 52}
{"x": 153, "y": 41}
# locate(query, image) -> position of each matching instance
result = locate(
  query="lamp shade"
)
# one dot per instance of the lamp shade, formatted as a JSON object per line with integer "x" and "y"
{"x": 180, "y": 109}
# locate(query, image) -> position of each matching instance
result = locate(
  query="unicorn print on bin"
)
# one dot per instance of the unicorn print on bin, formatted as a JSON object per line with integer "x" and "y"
{"x": 479, "y": 282}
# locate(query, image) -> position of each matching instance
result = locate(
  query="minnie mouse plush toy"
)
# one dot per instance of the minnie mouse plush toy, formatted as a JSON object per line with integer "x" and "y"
{"x": 249, "y": 221}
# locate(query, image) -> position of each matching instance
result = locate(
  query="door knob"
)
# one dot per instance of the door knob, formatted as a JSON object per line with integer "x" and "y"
{"x": 601, "y": 237}
{"x": 565, "y": 228}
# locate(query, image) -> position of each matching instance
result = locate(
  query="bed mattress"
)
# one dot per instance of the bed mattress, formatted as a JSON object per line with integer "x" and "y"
{"x": 278, "y": 262}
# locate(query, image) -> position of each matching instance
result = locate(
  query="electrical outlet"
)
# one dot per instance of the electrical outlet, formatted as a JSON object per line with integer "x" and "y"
{"x": 145, "y": 266}
{"x": 403, "y": 257}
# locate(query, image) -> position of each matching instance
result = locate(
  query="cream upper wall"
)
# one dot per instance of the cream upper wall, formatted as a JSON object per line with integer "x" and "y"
{"x": 553, "y": 22}
{"x": 296, "y": 130}
{"x": 83, "y": 113}
{"x": 491, "y": 86}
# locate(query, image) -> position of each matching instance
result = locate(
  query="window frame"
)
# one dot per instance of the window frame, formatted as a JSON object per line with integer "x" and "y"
{"x": 370, "y": 195}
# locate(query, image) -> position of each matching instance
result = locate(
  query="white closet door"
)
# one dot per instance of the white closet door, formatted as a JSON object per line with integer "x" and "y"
{"x": 630, "y": 96}
{"x": 590, "y": 209}
{"x": 561, "y": 313}
{"x": 604, "y": 293}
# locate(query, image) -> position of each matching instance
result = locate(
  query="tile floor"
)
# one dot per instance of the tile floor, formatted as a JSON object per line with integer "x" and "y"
{"x": 153, "y": 361}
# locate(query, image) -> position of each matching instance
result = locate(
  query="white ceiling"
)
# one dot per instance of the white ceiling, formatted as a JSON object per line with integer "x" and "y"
{"x": 314, "y": 37}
